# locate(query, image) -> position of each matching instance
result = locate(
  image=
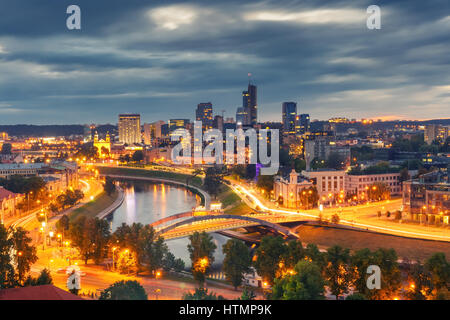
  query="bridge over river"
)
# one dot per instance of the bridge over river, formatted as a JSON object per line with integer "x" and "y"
{"x": 185, "y": 224}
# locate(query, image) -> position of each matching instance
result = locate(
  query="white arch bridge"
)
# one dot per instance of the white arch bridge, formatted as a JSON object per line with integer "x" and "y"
{"x": 213, "y": 222}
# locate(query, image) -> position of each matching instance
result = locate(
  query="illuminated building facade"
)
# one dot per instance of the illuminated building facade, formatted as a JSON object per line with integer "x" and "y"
{"x": 250, "y": 104}
{"x": 130, "y": 128}
{"x": 103, "y": 146}
{"x": 289, "y": 116}
{"x": 204, "y": 113}
{"x": 286, "y": 191}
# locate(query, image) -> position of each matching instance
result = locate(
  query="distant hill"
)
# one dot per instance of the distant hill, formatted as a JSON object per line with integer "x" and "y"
{"x": 24, "y": 130}
{"x": 42, "y": 131}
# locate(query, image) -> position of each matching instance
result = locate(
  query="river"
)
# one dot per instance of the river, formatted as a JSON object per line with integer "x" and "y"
{"x": 146, "y": 202}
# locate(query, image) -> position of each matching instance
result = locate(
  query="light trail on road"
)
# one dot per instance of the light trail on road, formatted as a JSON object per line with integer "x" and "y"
{"x": 242, "y": 189}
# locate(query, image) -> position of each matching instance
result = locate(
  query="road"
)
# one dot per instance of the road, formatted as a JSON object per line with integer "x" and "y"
{"x": 361, "y": 216}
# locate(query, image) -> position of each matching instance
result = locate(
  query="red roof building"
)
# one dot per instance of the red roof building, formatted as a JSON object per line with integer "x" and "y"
{"x": 46, "y": 292}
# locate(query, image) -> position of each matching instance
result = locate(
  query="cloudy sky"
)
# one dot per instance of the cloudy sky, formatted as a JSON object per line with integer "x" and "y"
{"x": 161, "y": 58}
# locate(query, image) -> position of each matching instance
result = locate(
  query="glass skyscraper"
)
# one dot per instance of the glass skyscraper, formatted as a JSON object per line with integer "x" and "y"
{"x": 289, "y": 110}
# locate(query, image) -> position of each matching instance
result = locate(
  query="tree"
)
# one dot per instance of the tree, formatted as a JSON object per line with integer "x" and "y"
{"x": 127, "y": 262}
{"x": 440, "y": 270}
{"x": 294, "y": 253}
{"x": 378, "y": 191}
{"x": 63, "y": 224}
{"x": 404, "y": 175}
{"x": 25, "y": 253}
{"x": 213, "y": 181}
{"x": 90, "y": 236}
{"x": 335, "y": 218}
{"x": 420, "y": 283}
{"x": 16, "y": 256}
{"x": 99, "y": 237}
{"x": 360, "y": 261}
{"x": 337, "y": 271}
{"x": 171, "y": 263}
{"x": 43, "y": 279}
{"x": 138, "y": 156}
{"x": 306, "y": 284}
{"x": 178, "y": 265}
{"x": 124, "y": 290}
{"x": 7, "y": 274}
{"x": 335, "y": 161}
{"x": 312, "y": 253}
{"x": 356, "y": 296}
{"x": 202, "y": 294}
{"x": 269, "y": 255}
{"x": 247, "y": 294}
{"x": 87, "y": 150}
{"x": 308, "y": 197}
{"x": 152, "y": 248}
{"x": 201, "y": 250}
{"x": 386, "y": 259}
{"x": 168, "y": 261}
{"x": 6, "y": 148}
{"x": 237, "y": 261}
{"x": 265, "y": 183}
{"x": 34, "y": 187}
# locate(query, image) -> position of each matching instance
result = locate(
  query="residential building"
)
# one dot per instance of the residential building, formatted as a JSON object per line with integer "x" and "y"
{"x": 427, "y": 199}
{"x": 8, "y": 203}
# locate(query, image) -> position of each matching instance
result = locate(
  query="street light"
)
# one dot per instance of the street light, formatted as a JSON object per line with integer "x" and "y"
{"x": 113, "y": 253}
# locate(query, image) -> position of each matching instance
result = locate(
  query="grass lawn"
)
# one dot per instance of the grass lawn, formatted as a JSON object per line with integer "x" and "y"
{"x": 92, "y": 208}
{"x": 179, "y": 177}
{"x": 413, "y": 249}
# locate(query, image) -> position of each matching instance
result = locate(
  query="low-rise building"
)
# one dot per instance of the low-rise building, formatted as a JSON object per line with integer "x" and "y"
{"x": 427, "y": 199}
{"x": 358, "y": 184}
{"x": 286, "y": 191}
{"x": 8, "y": 202}
{"x": 327, "y": 181}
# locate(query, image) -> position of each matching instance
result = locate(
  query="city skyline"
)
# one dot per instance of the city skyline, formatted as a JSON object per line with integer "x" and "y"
{"x": 163, "y": 59}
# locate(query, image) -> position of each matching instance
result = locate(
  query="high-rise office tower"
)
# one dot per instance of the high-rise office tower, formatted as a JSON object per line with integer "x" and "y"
{"x": 204, "y": 113}
{"x": 250, "y": 103}
{"x": 304, "y": 123}
{"x": 149, "y": 133}
{"x": 242, "y": 117}
{"x": 218, "y": 123}
{"x": 175, "y": 124}
{"x": 289, "y": 110}
{"x": 130, "y": 128}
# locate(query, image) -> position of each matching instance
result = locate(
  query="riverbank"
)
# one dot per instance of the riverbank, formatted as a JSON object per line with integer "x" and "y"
{"x": 413, "y": 249}
{"x": 93, "y": 208}
{"x": 231, "y": 203}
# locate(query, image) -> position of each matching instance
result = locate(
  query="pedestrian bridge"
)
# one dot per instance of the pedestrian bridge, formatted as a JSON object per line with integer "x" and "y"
{"x": 213, "y": 222}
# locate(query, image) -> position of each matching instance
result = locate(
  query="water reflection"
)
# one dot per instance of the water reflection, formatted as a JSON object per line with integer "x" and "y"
{"x": 146, "y": 202}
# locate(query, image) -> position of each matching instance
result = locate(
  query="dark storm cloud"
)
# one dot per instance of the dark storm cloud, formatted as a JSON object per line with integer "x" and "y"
{"x": 161, "y": 58}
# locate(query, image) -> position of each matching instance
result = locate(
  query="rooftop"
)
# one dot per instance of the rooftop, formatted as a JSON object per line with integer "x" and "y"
{"x": 46, "y": 292}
